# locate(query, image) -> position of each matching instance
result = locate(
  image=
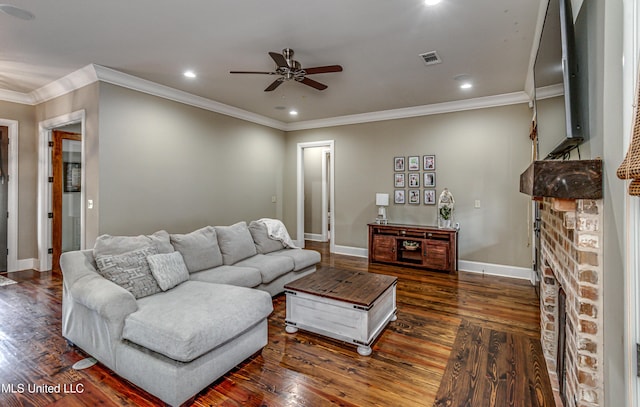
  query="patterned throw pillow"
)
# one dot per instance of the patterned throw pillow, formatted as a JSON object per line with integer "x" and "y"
{"x": 168, "y": 269}
{"x": 130, "y": 271}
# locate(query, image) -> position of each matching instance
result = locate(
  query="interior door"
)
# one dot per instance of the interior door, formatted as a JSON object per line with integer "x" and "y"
{"x": 65, "y": 194}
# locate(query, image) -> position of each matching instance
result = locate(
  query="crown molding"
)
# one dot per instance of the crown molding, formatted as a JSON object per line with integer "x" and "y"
{"x": 92, "y": 73}
{"x": 550, "y": 91}
{"x": 426, "y": 110}
{"x": 16, "y": 97}
{"x": 142, "y": 85}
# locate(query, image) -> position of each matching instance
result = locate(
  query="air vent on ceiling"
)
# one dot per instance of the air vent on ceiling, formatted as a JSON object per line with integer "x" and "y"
{"x": 431, "y": 58}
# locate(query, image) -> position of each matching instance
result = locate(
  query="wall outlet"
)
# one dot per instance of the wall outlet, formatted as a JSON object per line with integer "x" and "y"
{"x": 476, "y": 204}
{"x": 273, "y": 199}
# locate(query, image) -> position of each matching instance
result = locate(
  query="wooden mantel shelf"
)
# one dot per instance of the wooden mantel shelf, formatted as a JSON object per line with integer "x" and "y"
{"x": 569, "y": 179}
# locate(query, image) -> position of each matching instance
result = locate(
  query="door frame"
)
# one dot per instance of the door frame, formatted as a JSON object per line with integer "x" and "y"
{"x": 44, "y": 190}
{"x": 330, "y": 146}
{"x": 12, "y": 198}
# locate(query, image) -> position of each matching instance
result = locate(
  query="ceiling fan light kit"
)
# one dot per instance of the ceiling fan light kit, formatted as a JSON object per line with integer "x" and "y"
{"x": 288, "y": 69}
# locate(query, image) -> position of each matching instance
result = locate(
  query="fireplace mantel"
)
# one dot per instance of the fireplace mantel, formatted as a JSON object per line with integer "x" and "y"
{"x": 570, "y": 179}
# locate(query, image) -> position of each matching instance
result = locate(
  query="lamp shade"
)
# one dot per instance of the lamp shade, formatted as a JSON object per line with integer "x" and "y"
{"x": 382, "y": 199}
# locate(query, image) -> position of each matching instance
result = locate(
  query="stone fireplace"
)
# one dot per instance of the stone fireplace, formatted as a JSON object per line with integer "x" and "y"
{"x": 571, "y": 268}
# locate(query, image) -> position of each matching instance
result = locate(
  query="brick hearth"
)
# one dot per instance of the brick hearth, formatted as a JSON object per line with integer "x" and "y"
{"x": 571, "y": 258}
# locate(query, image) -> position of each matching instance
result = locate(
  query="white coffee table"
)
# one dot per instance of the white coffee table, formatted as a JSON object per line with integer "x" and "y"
{"x": 351, "y": 306}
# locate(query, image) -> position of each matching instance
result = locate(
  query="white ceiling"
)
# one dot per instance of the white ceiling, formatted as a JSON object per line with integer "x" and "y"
{"x": 376, "y": 41}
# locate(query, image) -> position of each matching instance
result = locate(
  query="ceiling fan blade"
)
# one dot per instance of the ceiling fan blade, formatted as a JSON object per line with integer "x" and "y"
{"x": 274, "y": 85}
{"x": 255, "y": 72}
{"x": 323, "y": 69}
{"x": 279, "y": 59}
{"x": 313, "y": 84}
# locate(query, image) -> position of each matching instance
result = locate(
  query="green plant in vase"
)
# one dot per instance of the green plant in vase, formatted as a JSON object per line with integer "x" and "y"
{"x": 445, "y": 215}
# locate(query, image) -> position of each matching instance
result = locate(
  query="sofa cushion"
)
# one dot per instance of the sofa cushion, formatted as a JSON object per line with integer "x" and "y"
{"x": 271, "y": 267}
{"x": 234, "y": 275}
{"x": 168, "y": 269}
{"x": 302, "y": 258}
{"x": 194, "y": 318}
{"x": 199, "y": 248}
{"x": 107, "y": 244}
{"x": 235, "y": 242}
{"x": 264, "y": 244}
{"x": 130, "y": 271}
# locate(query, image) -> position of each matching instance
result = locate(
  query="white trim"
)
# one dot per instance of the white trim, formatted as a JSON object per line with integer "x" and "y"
{"x": 324, "y": 207}
{"x": 28, "y": 264}
{"x": 92, "y": 73}
{"x": 142, "y": 85}
{"x": 16, "y": 97}
{"x": 13, "y": 191}
{"x": 74, "y": 81}
{"x": 44, "y": 197}
{"x": 351, "y": 251}
{"x": 426, "y": 110}
{"x": 550, "y": 91}
{"x": 522, "y": 273}
{"x": 314, "y": 237}
{"x": 330, "y": 144}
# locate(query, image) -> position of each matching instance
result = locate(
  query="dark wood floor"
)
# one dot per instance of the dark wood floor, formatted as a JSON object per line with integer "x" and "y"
{"x": 460, "y": 340}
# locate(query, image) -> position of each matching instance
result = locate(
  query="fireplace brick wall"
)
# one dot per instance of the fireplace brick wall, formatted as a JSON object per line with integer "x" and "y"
{"x": 571, "y": 258}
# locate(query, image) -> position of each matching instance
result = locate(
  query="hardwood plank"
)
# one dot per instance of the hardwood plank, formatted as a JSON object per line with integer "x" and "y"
{"x": 497, "y": 319}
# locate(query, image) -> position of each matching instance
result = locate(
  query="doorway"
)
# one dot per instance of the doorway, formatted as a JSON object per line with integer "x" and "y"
{"x": 316, "y": 194}
{"x": 9, "y": 187}
{"x": 72, "y": 214}
{"x": 4, "y": 196}
{"x": 66, "y": 163}
{"x": 328, "y": 151}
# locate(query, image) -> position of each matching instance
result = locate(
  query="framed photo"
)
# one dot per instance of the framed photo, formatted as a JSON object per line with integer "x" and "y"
{"x": 71, "y": 177}
{"x": 429, "y": 180}
{"x": 398, "y": 196}
{"x": 429, "y": 196}
{"x": 398, "y": 163}
{"x": 429, "y": 162}
{"x": 414, "y": 163}
{"x": 399, "y": 180}
{"x": 414, "y": 196}
{"x": 414, "y": 180}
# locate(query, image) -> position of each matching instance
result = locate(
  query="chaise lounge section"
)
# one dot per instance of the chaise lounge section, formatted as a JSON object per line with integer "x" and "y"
{"x": 173, "y": 313}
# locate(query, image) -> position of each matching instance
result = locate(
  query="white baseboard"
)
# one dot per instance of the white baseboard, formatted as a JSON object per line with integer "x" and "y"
{"x": 28, "y": 264}
{"x": 315, "y": 237}
{"x": 496, "y": 270}
{"x": 463, "y": 265}
{"x": 351, "y": 251}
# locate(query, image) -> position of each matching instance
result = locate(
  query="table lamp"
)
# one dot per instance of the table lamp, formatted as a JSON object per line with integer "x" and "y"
{"x": 382, "y": 201}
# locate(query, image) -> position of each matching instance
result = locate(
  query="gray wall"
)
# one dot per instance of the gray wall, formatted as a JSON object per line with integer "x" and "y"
{"x": 27, "y": 175}
{"x": 479, "y": 156}
{"x": 166, "y": 165}
{"x": 604, "y": 22}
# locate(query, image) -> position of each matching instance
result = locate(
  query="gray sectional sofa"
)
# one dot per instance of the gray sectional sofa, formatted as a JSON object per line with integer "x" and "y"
{"x": 173, "y": 312}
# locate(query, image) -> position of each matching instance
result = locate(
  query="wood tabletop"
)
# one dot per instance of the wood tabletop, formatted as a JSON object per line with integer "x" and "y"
{"x": 355, "y": 287}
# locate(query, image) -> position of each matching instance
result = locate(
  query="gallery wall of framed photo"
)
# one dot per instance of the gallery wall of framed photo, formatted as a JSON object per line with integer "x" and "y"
{"x": 414, "y": 180}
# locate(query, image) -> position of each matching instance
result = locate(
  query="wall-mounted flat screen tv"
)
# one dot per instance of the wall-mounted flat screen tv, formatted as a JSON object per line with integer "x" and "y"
{"x": 556, "y": 74}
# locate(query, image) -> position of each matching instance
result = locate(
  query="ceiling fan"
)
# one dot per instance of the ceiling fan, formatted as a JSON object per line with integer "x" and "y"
{"x": 288, "y": 69}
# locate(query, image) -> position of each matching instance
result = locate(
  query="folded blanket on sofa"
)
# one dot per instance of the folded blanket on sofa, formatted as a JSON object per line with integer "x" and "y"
{"x": 277, "y": 231}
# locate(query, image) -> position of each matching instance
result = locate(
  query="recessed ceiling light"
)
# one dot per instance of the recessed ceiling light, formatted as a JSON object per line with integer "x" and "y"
{"x": 466, "y": 85}
{"x": 464, "y": 80}
{"x": 16, "y": 12}
{"x": 189, "y": 74}
{"x": 431, "y": 2}
{"x": 293, "y": 112}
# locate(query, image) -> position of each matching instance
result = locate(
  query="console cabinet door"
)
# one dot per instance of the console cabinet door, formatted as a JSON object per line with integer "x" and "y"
{"x": 436, "y": 254}
{"x": 384, "y": 248}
